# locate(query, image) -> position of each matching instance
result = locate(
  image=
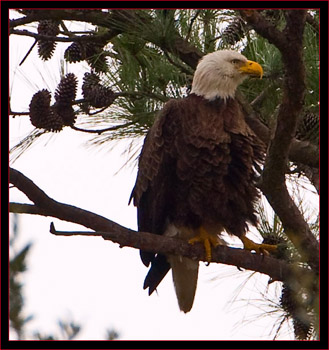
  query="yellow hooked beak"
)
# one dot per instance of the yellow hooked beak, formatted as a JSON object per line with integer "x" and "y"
{"x": 252, "y": 68}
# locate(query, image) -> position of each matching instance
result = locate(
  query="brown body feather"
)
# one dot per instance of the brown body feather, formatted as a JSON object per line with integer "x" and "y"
{"x": 196, "y": 169}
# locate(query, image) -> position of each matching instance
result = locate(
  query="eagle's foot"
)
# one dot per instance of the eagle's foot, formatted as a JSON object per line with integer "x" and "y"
{"x": 207, "y": 240}
{"x": 259, "y": 248}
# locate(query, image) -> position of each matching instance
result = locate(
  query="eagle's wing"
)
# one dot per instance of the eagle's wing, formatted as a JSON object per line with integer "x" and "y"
{"x": 152, "y": 194}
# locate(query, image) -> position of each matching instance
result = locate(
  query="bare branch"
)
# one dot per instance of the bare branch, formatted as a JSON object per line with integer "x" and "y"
{"x": 12, "y": 113}
{"x": 109, "y": 230}
{"x": 46, "y": 37}
{"x": 100, "y": 131}
{"x": 221, "y": 254}
{"x": 28, "y": 52}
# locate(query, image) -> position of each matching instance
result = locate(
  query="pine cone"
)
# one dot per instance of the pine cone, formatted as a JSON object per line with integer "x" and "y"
{"x": 96, "y": 94}
{"x": 41, "y": 115}
{"x": 287, "y": 300}
{"x": 66, "y": 90}
{"x": 292, "y": 302}
{"x": 234, "y": 32}
{"x": 272, "y": 239}
{"x": 66, "y": 113}
{"x": 92, "y": 53}
{"x": 281, "y": 252}
{"x": 46, "y": 47}
{"x": 302, "y": 329}
{"x": 101, "y": 96}
{"x": 74, "y": 53}
{"x": 90, "y": 79}
{"x": 64, "y": 96}
{"x": 308, "y": 128}
{"x": 56, "y": 122}
{"x": 48, "y": 27}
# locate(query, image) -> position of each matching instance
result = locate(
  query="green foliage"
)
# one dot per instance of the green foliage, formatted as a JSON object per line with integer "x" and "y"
{"x": 146, "y": 71}
{"x": 67, "y": 330}
{"x": 111, "y": 334}
{"x": 17, "y": 266}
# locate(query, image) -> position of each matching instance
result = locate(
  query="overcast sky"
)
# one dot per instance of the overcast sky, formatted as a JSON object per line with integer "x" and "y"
{"x": 94, "y": 282}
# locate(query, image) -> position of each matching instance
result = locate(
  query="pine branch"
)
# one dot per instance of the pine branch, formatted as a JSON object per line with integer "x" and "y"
{"x": 290, "y": 44}
{"x": 115, "y": 22}
{"x": 278, "y": 270}
{"x": 100, "y": 131}
{"x": 301, "y": 152}
{"x": 93, "y": 38}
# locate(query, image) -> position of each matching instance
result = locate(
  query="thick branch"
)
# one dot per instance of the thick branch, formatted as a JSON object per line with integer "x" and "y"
{"x": 109, "y": 230}
{"x": 264, "y": 28}
{"x": 290, "y": 44}
{"x": 221, "y": 254}
{"x": 97, "y": 18}
{"x": 49, "y": 207}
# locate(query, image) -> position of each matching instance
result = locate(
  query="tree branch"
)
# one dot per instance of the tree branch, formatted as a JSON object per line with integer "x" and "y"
{"x": 43, "y": 205}
{"x": 265, "y": 28}
{"x": 273, "y": 185}
{"x": 100, "y": 131}
{"x": 97, "y": 18}
{"x": 94, "y": 38}
{"x": 299, "y": 152}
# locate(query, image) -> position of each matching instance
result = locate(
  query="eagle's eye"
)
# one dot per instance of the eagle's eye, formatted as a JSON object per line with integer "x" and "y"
{"x": 235, "y": 61}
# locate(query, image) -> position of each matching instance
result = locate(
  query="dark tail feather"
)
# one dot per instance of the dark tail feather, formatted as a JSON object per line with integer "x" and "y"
{"x": 158, "y": 270}
{"x": 147, "y": 257}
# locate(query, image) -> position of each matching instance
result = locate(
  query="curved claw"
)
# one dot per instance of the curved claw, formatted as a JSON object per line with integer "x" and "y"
{"x": 259, "y": 248}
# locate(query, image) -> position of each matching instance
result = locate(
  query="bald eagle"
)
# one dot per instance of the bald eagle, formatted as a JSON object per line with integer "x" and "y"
{"x": 196, "y": 175}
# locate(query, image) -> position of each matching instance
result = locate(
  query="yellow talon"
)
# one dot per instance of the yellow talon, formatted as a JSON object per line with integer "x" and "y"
{"x": 207, "y": 240}
{"x": 259, "y": 248}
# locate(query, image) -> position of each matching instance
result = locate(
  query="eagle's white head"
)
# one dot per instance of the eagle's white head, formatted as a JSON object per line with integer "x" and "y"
{"x": 219, "y": 73}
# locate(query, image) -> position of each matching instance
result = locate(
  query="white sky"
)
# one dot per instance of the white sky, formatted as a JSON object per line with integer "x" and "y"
{"x": 91, "y": 281}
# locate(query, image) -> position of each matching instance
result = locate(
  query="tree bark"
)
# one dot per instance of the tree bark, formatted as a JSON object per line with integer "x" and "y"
{"x": 290, "y": 44}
